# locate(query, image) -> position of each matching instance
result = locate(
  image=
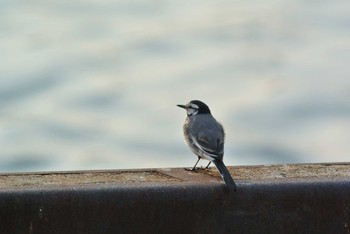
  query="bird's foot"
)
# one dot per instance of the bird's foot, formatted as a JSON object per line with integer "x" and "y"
{"x": 193, "y": 169}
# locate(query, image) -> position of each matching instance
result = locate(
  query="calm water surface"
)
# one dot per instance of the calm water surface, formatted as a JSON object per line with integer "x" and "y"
{"x": 94, "y": 84}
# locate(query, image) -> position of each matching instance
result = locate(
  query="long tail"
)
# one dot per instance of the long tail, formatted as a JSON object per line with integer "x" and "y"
{"x": 225, "y": 174}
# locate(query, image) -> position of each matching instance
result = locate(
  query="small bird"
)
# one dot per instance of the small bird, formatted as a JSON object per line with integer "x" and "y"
{"x": 205, "y": 137}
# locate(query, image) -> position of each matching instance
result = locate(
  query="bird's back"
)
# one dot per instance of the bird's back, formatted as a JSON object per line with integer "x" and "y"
{"x": 207, "y": 129}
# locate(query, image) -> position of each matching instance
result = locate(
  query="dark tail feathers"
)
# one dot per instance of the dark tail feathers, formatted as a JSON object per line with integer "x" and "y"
{"x": 225, "y": 174}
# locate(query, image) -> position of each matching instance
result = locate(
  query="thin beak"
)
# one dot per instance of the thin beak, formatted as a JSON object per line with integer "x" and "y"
{"x": 182, "y": 106}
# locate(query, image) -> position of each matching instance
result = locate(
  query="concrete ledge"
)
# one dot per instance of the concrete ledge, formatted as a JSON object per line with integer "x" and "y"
{"x": 302, "y": 198}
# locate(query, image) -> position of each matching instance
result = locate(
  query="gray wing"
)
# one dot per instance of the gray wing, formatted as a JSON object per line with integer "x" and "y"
{"x": 212, "y": 146}
{"x": 211, "y": 141}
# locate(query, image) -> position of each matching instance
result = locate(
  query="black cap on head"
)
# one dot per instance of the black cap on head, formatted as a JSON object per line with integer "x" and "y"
{"x": 202, "y": 107}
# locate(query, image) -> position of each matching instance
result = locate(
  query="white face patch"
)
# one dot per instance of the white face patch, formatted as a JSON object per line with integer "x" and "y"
{"x": 192, "y": 109}
{"x": 194, "y": 106}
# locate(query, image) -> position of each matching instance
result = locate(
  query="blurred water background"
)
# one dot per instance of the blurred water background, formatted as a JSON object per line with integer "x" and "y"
{"x": 94, "y": 84}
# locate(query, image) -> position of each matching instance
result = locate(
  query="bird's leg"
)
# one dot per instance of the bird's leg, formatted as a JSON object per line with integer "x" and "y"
{"x": 194, "y": 167}
{"x": 207, "y": 167}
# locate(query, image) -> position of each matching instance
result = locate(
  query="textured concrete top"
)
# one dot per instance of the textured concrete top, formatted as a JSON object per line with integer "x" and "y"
{"x": 171, "y": 176}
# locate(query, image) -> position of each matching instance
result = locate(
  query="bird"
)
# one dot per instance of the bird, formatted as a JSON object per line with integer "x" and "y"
{"x": 205, "y": 137}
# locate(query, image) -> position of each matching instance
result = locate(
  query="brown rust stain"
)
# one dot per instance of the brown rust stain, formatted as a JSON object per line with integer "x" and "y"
{"x": 172, "y": 175}
{"x": 287, "y": 171}
{"x": 69, "y": 179}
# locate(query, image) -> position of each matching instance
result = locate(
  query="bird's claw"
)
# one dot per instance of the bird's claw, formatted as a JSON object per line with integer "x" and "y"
{"x": 194, "y": 169}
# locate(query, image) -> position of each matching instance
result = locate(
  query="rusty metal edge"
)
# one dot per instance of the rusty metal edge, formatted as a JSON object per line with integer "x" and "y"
{"x": 156, "y": 169}
{"x": 274, "y": 205}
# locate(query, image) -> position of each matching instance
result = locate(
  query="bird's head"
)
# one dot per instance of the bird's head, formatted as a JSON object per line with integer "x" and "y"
{"x": 195, "y": 107}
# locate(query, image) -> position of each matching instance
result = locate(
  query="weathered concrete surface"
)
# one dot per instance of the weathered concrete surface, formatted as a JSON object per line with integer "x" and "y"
{"x": 302, "y": 198}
